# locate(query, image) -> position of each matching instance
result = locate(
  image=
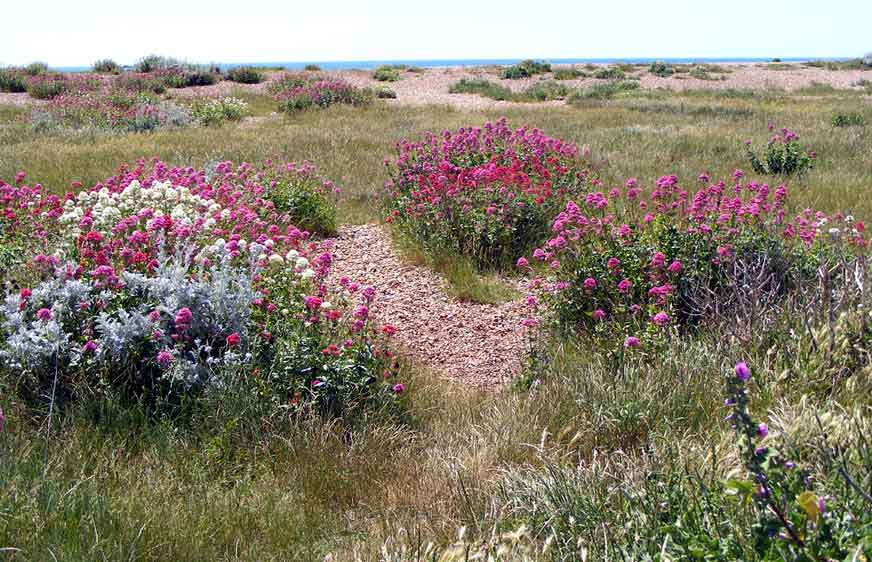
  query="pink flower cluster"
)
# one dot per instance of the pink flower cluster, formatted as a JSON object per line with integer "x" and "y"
{"x": 625, "y": 255}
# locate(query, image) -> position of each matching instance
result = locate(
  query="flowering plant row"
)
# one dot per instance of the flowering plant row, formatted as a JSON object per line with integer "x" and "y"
{"x": 486, "y": 193}
{"x": 634, "y": 262}
{"x": 161, "y": 283}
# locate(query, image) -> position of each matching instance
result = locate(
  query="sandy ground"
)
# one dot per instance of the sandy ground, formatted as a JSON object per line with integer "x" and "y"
{"x": 478, "y": 344}
{"x": 431, "y": 86}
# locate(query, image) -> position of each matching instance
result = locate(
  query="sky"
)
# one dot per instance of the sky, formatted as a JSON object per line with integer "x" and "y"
{"x": 65, "y": 33}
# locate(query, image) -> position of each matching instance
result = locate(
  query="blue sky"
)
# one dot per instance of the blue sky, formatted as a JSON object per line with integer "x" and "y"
{"x": 65, "y": 33}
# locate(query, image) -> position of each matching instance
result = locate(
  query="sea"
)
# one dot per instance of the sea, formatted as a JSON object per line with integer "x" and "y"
{"x": 436, "y": 63}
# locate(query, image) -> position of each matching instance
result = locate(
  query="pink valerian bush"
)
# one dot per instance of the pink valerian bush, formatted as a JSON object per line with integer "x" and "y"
{"x": 630, "y": 261}
{"x": 295, "y": 92}
{"x": 174, "y": 233}
{"x": 483, "y": 192}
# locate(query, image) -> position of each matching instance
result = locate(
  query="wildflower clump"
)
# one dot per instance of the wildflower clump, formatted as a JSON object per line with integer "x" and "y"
{"x": 295, "y": 92}
{"x": 631, "y": 264}
{"x": 484, "y": 192}
{"x": 161, "y": 284}
{"x": 782, "y": 156}
{"x": 215, "y": 111}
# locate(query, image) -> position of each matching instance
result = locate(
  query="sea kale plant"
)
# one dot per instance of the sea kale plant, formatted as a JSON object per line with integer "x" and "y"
{"x": 161, "y": 284}
{"x": 487, "y": 193}
{"x": 783, "y": 155}
{"x": 631, "y": 265}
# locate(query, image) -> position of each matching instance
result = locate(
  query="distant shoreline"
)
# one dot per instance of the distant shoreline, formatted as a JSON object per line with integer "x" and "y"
{"x": 460, "y": 63}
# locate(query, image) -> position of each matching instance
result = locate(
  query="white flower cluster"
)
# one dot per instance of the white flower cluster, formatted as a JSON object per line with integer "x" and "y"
{"x": 162, "y": 198}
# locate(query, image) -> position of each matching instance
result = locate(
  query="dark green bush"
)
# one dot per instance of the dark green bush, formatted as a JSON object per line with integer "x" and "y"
{"x": 312, "y": 68}
{"x": 525, "y": 69}
{"x": 481, "y": 87}
{"x": 36, "y": 69}
{"x": 11, "y": 81}
{"x": 46, "y": 89}
{"x": 609, "y": 73}
{"x": 661, "y": 69}
{"x": 107, "y": 66}
{"x": 385, "y": 94}
{"x": 244, "y": 75}
{"x": 199, "y": 77}
{"x": 848, "y": 120}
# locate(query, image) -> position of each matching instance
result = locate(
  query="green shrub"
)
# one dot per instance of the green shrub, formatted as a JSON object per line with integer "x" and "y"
{"x": 603, "y": 91}
{"x": 46, "y": 89}
{"x": 36, "y": 69}
{"x": 525, "y": 69}
{"x": 209, "y": 111}
{"x": 386, "y": 74}
{"x": 11, "y": 81}
{"x": 481, "y": 87}
{"x": 245, "y": 75}
{"x": 151, "y": 63}
{"x": 661, "y": 69}
{"x": 385, "y": 94}
{"x": 312, "y": 68}
{"x": 107, "y": 66}
{"x": 848, "y": 120}
{"x": 307, "y": 198}
{"x": 568, "y": 74}
{"x": 547, "y": 90}
{"x": 609, "y": 73}
{"x": 867, "y": 60}
{"x": 782, "y": 155}
{"x": 199, "y": 77}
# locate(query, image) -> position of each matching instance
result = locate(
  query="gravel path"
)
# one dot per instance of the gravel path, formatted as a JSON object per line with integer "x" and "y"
{"x": 476, "y": 344}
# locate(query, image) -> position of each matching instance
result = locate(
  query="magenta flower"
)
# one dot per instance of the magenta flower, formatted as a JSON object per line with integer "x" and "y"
{"x": 312, "y": 303}
{"x": 89, "y": 347}
{"x": 164, "y": 358}
{"x": 624, "y": 286}
{"x": 742, "y": 371}
{"x": 183, "y": 319}
{"x": 675, "y": 267}
{"x": 658, "y": 260}
{"x": 399, "y": 388}
{"x": 43, "y": 314}
{"x": 632, "y": 342}
{"x": 522, "y": 262}
{"x": 599, "y": 314}
{"x": 762, "y": 430}
{"x": 614, "y": 264}
{"x": 233, "y": 340}
{"x": 661, "y": 319}
{"x": 590, "y": 283}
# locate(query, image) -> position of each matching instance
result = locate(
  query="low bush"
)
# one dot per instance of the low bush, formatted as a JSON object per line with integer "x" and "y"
{"x": 481, "y": 87}
{"x": 312, "y": 68}
{"x": 245, "y": 75}
{"x": 568, "y": 74}
{"x": 216, "y": 111}
{"x": 848, "y": 120}
{"x": 602, "y": 91}
{"x": 547, "y": 90}
{"x": 609, "y": 74}
{"x": 525, "y": 69}
{"x": 386, "y": 73}
{"x": 12, "y": 81}
{"x": 36, "y": 69}
{"x": 385, "y": 94}
{"x": 782, "y": 156}
{"x": 661, "y": 69}
{"x": 484, "y": 193}
{"x": 152, "y": 63}
{"x": 107, "y": 66}
{"x": 200, "y": 77}
{"x": 867, "y": 60}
